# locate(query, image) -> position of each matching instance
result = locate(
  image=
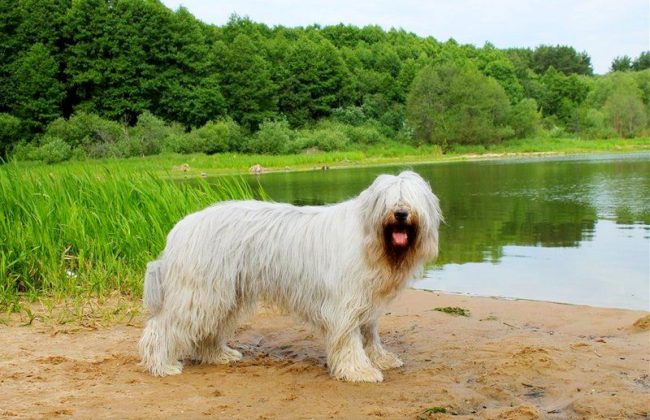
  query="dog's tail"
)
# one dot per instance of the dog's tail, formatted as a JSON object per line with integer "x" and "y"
{"x": 153, "y": 287}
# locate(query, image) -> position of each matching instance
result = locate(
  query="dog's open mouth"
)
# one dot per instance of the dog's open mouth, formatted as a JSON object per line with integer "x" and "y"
{"x": 400, "y": 238}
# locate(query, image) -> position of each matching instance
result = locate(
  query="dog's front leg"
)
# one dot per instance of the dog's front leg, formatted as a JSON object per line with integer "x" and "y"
{"x": 379, "y": 356}
{"x": 346, "y": 358}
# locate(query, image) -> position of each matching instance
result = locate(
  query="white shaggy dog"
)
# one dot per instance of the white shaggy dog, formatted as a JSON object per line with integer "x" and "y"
{"x": 336, "y": 267}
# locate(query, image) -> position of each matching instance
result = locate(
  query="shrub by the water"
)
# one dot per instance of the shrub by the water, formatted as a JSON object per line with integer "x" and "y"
{"x": 84, "y": 130}
{"x": 325, "y": 139}
{"x": 273, "y": 138}
{"x": 219, "y": 136}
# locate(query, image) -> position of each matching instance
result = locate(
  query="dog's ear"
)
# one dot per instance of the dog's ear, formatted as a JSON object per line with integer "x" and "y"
{"x": 370, "y": 199}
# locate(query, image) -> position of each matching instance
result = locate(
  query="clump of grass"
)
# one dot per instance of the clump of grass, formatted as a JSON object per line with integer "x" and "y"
{"x": 432, "y": 410}
{"x": 90, "y": 231}
{"x": 453, "y": 310}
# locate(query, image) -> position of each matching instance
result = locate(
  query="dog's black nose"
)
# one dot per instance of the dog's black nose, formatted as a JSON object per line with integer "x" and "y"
{"x": 401, "y": 215}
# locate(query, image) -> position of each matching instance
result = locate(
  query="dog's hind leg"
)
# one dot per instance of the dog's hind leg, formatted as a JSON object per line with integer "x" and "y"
{"x": 214, "y": 348}
{"x": 379, "y": 356}
{"x": 346, "y": 358}
{"x": 159, "y": 348}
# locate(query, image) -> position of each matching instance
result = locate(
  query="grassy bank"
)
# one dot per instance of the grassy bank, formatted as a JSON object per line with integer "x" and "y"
{"x": 87, "y": 228}
{"x": 84, "y": 232}
{"x": 179, "y": 165}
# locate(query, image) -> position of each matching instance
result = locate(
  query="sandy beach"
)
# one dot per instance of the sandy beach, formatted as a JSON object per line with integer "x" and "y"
{"x": 507, "y": 359}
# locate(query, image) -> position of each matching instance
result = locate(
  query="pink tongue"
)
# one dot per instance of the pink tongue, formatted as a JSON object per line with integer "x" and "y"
{"x": 400, "y": 238}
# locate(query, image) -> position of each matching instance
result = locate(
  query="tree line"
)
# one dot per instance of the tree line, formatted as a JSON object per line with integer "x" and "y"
{"x": 105, "y": 78}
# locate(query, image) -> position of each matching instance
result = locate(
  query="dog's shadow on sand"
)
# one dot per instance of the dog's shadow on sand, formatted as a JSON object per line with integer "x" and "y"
{"x": 285, "y": 346}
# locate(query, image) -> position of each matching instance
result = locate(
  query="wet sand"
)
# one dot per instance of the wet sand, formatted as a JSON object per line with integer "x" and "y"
{"x": 508, "y": 359}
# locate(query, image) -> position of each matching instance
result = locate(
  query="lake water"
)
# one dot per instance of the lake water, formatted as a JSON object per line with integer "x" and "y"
{"x": 564, "y": 229}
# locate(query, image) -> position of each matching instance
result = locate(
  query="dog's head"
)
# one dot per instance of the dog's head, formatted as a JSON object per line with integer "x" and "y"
{"x": 402, "y": 216}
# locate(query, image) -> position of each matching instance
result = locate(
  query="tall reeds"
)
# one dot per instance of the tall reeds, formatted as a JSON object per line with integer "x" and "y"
{"x": 91, "y": 231}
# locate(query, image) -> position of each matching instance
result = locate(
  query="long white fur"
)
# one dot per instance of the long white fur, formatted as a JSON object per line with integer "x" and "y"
{"x": 325, "y": 264}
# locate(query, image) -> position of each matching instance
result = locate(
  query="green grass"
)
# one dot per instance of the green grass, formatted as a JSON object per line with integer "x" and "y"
{"x": 170, "y": 165}
{"x": 453, "y": 310}
{"x": 429, "y": 412}
{"x": 177, "y": 165}
{"x": 88, "y": 230}
{"x": 557, "y": 145}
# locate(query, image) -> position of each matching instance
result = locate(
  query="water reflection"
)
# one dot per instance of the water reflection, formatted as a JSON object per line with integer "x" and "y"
{"x": 508, "y": 212}
{"x": 605, "y": 272}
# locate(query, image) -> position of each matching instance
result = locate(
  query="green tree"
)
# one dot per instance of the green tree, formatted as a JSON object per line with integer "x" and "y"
{"x": 89, "y": 54}
{"x": 606, "y": 86}
{"x": 36, "y": 94}
{"x": 24, "y": 23}
{"x": 247, "y": 85}
{"x": 560, "y": 95}
{"x": 406, "y": 75}
{"x": 642, "y": 79}
{"x": 453, "y": 104}
{"x": 524, "y": 118}
{"x": 342, "y": 35}
{"x": 625, "y": 113}
{"x": 504, "y": 72}
{"x": 186, "y": 88}
{"x": 623, "y": 63}
{"x": 620, "y": 97}
{"x": 522, "y": 60}
{"x": 386, "y": 59}
{"x": 138, "y": 55}
{"x": 42, "y": 21}
{"x": 642, "y": 62}
{"x": 314, "y": 81}
{"x": 563, "y": 58}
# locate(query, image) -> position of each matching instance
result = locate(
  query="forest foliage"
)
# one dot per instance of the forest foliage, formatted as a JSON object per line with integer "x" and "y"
{"x": 118, "y": 78}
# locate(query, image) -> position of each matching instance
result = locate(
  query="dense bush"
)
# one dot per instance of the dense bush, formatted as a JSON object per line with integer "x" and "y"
{"x": 219, "y": 136}
{"x": 150, "y": 134}
{"x": 183, "y": 143}
{"x": 86, "y": 130}
{"x": 54, "y": 150}
{"x": 10, "y": 132}
{"x": 274, "y": 137}
{"x": 368, "y": 133}
{"x": 326, "y": 139}
{"x": 352, "y": 115}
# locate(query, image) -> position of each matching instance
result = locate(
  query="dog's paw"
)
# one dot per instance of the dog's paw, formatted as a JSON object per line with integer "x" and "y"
{"x": 231, "y": 354}
{"x": 360, "y": 374}
{"x": 221, "y": 356}
{"x": 385, "y": 360}
{"x": 166, "y": 370}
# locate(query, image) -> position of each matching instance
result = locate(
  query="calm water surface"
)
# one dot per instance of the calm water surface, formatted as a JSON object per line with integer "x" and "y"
{"x": 565, "y": 229}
